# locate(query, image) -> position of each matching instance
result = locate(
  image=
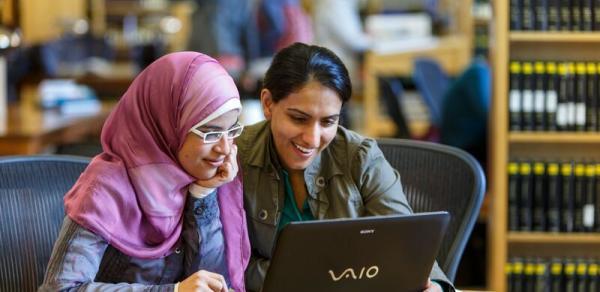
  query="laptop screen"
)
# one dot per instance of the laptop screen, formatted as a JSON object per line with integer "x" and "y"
{"x": 395, "y": 253}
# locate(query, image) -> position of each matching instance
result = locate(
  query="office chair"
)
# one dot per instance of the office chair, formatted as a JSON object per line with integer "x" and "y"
{"x": 432, "y": 82}
{"x": 31, "y": 196}
{"x": 437, "y": 177}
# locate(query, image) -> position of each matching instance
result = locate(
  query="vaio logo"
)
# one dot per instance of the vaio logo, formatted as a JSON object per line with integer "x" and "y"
{"x": 350, "y": 273}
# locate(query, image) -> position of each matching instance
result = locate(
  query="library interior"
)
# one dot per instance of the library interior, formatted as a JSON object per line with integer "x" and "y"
{"x": 488, "y": 110}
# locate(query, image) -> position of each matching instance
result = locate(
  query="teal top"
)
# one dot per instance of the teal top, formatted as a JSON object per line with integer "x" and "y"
{"x": 290, "y": 209}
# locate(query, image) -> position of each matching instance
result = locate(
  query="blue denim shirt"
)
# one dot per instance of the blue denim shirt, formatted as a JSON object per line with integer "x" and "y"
{"x": 84, "y": 261}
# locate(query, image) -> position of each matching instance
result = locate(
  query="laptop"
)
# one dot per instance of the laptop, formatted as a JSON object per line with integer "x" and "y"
{"x": 383, "y": 253}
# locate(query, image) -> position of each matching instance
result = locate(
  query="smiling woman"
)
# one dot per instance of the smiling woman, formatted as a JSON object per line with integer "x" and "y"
{"x": 301, "y": 165}
{"x": 203, "y": 157}
{"x": 306, "y": 123}
{"x": 160, "y": 208}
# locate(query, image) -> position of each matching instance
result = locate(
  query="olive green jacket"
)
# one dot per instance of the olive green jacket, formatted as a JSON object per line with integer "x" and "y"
{"x": 348, "y": 179}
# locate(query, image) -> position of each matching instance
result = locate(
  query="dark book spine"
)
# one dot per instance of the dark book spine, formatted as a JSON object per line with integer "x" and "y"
{"x": 525, "y": 206}
{"x": 539, "y": 96}
{"x": 542, "y": 275}
{"x": 542, "y": 15}
{"x": 587, "y": 14}
{"x": 580, "y": 97}
{"x": 515, "y": 97}
{"x": 515, "y": 14}
{"x": 594, "y": 276}
{"x": 553, "y": 14}
{"x": 568, "y": 190}
{"x": 596, "y": 92}
{"x": 554, "y": 197}
{"x": 562, "y": 110}
{"x": 556, "y": 275}
{"x": 591, "y": 107}
{"x": 576, "y": 15}
{"x": 565, "y": 14}
{"x": 570, "y": 279}
{"x": 518, "y": 275}
{"x": 582, "y": 276}
{"x": 540, "y": 200}
{"x": 552, "y": 86}
{"x": 513, "y": 196}
{"x": 508, "y": 272}
{"x": 589, "y": 209}
{"x": 533, "y": 8}
{"x": 597, "y": 200}
{"x": 529, "y": 275}
{"x": 580, "y": 182}
{"x": 572, "y": 25}
{"x": 528, "y": 14}
{"x": 527, "y": 96}
{"x": 596, "y": 14}
{"x": 571, "y": 97}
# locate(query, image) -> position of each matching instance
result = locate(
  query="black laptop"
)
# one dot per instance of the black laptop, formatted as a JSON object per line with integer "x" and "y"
{"x": 383, "y": 253}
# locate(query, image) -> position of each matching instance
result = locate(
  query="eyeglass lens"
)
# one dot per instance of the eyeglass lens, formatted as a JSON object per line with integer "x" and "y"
{"x": 216, "y": 136}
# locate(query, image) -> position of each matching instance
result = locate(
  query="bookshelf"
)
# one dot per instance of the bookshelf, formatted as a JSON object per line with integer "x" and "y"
{"x": 143, "y": 19}
{"x": 555, "y": 37}
{"x": 510, "y": 45}
{"x": 554, "y": 137}
{"x": 539, "y": 237}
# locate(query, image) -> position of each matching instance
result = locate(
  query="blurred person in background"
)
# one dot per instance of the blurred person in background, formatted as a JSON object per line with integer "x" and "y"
{"x": 226, "y": 30}
{"x": 282, "y": 23}
{"x": 338, "y": 27}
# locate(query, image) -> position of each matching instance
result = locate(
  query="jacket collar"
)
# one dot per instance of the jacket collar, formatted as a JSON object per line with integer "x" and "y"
{"x": 326, "y": 164}
{"x": 261, "y": 151}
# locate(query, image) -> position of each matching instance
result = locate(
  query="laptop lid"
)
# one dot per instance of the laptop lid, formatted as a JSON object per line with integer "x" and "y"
{"x": 393, "y": 253}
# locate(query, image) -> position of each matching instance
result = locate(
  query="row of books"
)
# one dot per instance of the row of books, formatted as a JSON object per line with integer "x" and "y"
{"x": 554, "y": 96}
{"x": 553, "y": 197}
{"x": 555, "y": 15}
{"x": 556, "y": 274}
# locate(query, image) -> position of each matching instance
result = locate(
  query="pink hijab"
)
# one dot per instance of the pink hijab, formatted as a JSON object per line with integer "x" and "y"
{"x": 133, "y": 194}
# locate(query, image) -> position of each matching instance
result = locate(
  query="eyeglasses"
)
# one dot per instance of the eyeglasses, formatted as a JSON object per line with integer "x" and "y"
{"x": 215, "y": 136}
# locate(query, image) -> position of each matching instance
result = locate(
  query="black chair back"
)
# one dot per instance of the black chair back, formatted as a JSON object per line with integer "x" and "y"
{"x": 437, "y": 177}
{"x": 31, "y": 197}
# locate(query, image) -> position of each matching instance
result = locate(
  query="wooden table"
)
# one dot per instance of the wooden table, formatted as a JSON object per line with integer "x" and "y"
{"x": 26, "y": 129}
{"x": 453, "y": 53}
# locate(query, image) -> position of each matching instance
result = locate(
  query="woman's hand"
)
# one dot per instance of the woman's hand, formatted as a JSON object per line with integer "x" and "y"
{"x": 432, "y": 287}
{"x": 225, "y": 173}
{"x": 203, "y": 281}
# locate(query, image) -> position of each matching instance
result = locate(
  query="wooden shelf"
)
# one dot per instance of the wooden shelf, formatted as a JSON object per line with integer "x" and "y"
{"x": 556, "y": 238}
{"x": 508, "y": 146}
{"x": 482, "y": 21}
{"x": 554, "y": 137}
{"x": 124, "y": 8}
{"x": 555, "y": 37}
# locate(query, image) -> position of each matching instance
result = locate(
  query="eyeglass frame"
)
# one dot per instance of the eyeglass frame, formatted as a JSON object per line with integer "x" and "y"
{"x": 221, "y": 133}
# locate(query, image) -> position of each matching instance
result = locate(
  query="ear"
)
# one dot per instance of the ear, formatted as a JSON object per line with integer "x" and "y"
{"x": 266, "y": 100}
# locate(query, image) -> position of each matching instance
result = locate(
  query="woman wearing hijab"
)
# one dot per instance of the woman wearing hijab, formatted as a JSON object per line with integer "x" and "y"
{"x": 161, "y": 208}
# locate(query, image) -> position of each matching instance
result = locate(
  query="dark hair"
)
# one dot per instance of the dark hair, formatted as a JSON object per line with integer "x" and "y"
{"x": 300, "y": 63}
